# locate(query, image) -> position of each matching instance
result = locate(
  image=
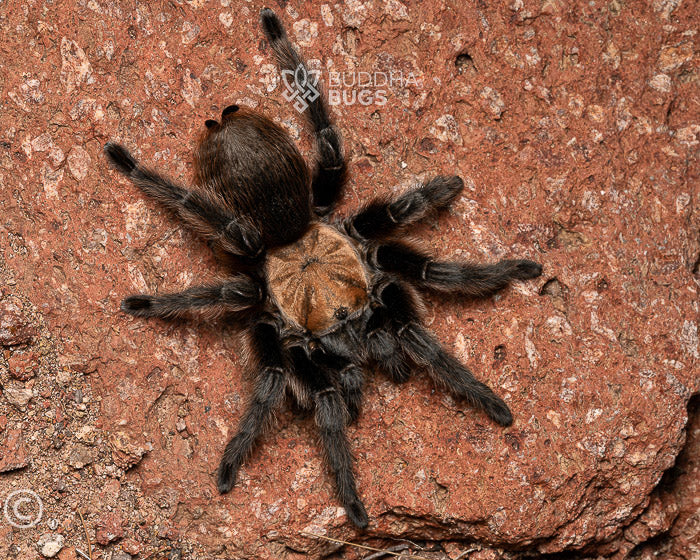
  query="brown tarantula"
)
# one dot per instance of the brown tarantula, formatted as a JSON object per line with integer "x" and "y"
{"x": 320, "y": 301}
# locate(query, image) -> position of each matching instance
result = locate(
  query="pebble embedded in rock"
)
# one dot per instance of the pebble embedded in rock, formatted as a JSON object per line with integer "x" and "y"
{"x": 13, "y": 455}
{"x": 15, "y": 328}
{"x": 50, "y": 544}
{"x": 80, "y": 456}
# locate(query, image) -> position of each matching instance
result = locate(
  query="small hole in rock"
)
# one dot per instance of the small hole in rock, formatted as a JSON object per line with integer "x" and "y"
{"x": 464, "y": 63}
{"x": 551, "y": 287}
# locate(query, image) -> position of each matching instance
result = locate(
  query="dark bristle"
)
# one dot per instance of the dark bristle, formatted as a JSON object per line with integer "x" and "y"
{"x": 120, "y": 157}
{"x": 357, "y": 514}
{"x": 499, "y": 412}
{"x": 211, "y": 123}
{"x": 230, "y": 109}
{"x": 441, "y": 191}
{"x": 271, "y": 24}
{"x": 136, "y": 304}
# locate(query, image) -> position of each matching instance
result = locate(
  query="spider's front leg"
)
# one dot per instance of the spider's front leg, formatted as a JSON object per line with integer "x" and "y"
{"x": 332, "y": 417}
{"x": 206, "y": 218}
{"x": 349, "y": 377}
{"x": 268, "y": 394}
{"x": 383, "y": 346}
{"x": 477, "y": 280}
{"x": 423, "y": 349}
{"x": 238, "y": 294}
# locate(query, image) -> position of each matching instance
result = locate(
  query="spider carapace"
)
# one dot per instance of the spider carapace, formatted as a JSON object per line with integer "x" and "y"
{"x": 322, "y": 302}
{"x": 318, "y": 280}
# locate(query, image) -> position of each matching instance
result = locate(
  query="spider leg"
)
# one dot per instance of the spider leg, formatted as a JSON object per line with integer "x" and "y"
{"x": 238, "y": 294}
{"x": 267, "y": 395}
{"x": 383, "y": 346}
{"x": 331, "y": 168}
{"x": 331, "y": 427}
{"x": 444, "y": 368}
{"x": 198, "y": 211}
{"x": 351, "y": 381}
{"x": 381, "y": 218}
{"x": 349, "y": 376}
{"x": 464, "y": 278}
{"x": 331, "y": 418}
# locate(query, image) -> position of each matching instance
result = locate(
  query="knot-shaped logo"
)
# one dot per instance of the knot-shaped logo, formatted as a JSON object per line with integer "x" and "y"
{"x": 300, "y": 87}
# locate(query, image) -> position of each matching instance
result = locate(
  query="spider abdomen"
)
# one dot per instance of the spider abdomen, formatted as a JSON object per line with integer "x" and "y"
{"x": 252, "y": 167}
{"x": 318, "y": 280}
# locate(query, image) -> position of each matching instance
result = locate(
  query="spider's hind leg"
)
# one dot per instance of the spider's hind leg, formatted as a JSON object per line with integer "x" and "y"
{"x": 331, "y": 168}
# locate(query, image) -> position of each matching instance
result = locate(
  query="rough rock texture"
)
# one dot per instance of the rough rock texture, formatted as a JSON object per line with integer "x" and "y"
{"x": 575, "y": 127}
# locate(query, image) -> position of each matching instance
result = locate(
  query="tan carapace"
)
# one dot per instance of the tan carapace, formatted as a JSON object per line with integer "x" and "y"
{"x": 317, "y": 281}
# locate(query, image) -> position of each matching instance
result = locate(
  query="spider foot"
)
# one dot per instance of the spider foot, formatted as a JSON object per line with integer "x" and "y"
{"x": 137, "y": 305}
{"x": 226, "y": 477}
{"x": 499, "y": 412}
{"x": 441, "y": 191}
{"x": 524, "y": 269}
{"x": 271, "y": 24}
{"x": 120, "y": 157}
{"x": 357, "y": 514}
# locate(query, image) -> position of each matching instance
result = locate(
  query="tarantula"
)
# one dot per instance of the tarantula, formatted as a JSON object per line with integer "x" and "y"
{"x": 320, "y": 301}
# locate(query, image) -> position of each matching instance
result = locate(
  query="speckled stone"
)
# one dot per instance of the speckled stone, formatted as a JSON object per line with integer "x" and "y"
{"x": 575, "y": 128}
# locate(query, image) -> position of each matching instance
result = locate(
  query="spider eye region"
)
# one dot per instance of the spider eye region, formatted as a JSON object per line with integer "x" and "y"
{"x": 318, "y": 280}
{"x": 341, "y": 313}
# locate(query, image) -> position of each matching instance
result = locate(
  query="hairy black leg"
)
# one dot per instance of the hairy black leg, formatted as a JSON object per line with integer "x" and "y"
{"x": 331, "y": 169}
{"x": 205, "y": 217}
{"x": 351, "y": 381}
{"x": 331, "y": 426}
{"x": 346, "y": 345}
{"x": 464, "y": 278}
{"x": 238, "y": 294}
{"x": 383, "y": 347}
{"x": 348, "y": 374}
{"x": 381, "y": 218}
{"x": 445, "y": 369}
{"x": 331, "y": 418}
{"x": 267, "y": 395}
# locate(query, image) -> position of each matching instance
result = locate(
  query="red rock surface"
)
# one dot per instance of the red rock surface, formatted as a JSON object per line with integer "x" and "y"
{"x": 14, "y": 328}
{"x": 12, "y": 453}
{"x": 575, "y": 127}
